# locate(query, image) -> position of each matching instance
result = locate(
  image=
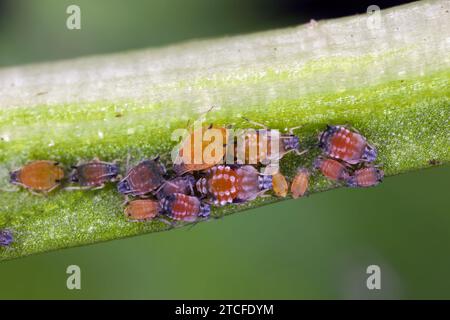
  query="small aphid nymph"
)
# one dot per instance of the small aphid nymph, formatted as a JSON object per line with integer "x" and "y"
{"x": 38, "y": 176}
{"x": 280, "y": 185}
{"x": 300, "y": 184}
{"x": 261, "y": 141}
{"x": 366, "y": 177}
{"x": 182, "y": 207}
{"x": 332, "y": 169}
{"x": 142, "y": 210}
{"x": 340, "y": 143}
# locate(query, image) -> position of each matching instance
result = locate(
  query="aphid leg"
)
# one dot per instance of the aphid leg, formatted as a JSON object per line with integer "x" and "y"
{"x": 299, "y": 153}
{"x": 58, "y": 182}
{"x": 126, "y": 201}
{"x": 40, "y": 194}
{"x": 73, "y": 188}
{"x": 171, "y": 224}
{"x": 116, "y": 178}
{"x": 9, "y": 190}
{"x": 99, "y": 187}
{"x": 195, "y": 222}
{"x": 262, "y": 194}
{"x": 162, "y": 186}
{"x": 191, "y": 188}
{"x": 127, "y": 163}
{"x": 291, "y": 130}
{"x": 255, "y": 123}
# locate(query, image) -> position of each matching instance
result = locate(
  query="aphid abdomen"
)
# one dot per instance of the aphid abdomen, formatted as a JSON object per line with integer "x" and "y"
{"x": 338, "y": 142}
{"x": 332, "y": 169}
{"x": 347, "y": 146}
{"x": 41, "y": 175}
{"x": 191, "y": 158}
{"x": 300, "y": 183}
{"x": 251, "y": 183}
{"x": 183, "y": 185}
{"x": 183, "y": 208}
{"x": 280, "y": 185}
{"x": 95, "y": 174}
{"x": 142, "y": 179}
{"x": 141, "y": 210}
{"x": 222, "y": 184}
{"x": 366, "y": 177}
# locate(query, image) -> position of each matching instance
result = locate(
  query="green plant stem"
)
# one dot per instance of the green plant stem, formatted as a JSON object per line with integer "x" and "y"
{"x": 391, "y": 82}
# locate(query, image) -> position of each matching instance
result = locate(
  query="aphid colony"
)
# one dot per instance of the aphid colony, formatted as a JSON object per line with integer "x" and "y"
{"x": 348, "y": 157}
{"x": 188, "y": 191}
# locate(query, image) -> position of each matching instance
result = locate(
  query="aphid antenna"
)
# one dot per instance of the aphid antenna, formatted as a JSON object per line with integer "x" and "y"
{"x": 40, "y": 194}
{"x": 291, "y": 130}
{"x": 8, "y": 190}
{"x": 127, "y": 163}
{"x": 255, "y": 123}
{"x": 98, "y": 187}
{"x": 299, "y": 153}
{"x": 171, "y": 224}
{"x": 126, "y": 201}
{"x": 192, "y": 225}
{"x": 78, "y": 188}
{"x": 162, "y": 186}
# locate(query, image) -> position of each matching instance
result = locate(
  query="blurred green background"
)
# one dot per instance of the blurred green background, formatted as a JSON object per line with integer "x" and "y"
{"x": 318, "y": 247}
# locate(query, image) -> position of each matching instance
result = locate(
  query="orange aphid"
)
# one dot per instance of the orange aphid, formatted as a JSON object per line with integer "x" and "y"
{"x": 280, "y": 185}
{"x": 300, "y": 183}
{"x": 191, "y": 155}
{"x": 140, "y": 210}
{"x": 332, "y": 169}
{"x": 41, "y": 175}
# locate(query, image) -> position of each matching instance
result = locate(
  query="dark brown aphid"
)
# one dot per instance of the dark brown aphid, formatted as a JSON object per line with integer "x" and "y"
{"x": 340, "y": 143}
{"x": 94, "y": 174}
{"x": 41, "y": 176}
{"x": 366, "y": 177}
{"x": 142, "y": 209}
{"x": 182, "y": 207}
{"x": 300, "y": 183}
{"x": 142, "y": 179}
{"x": 434, "y": 162}
{"x": 332, "y": 169}
{"x": 183, "y": 184}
